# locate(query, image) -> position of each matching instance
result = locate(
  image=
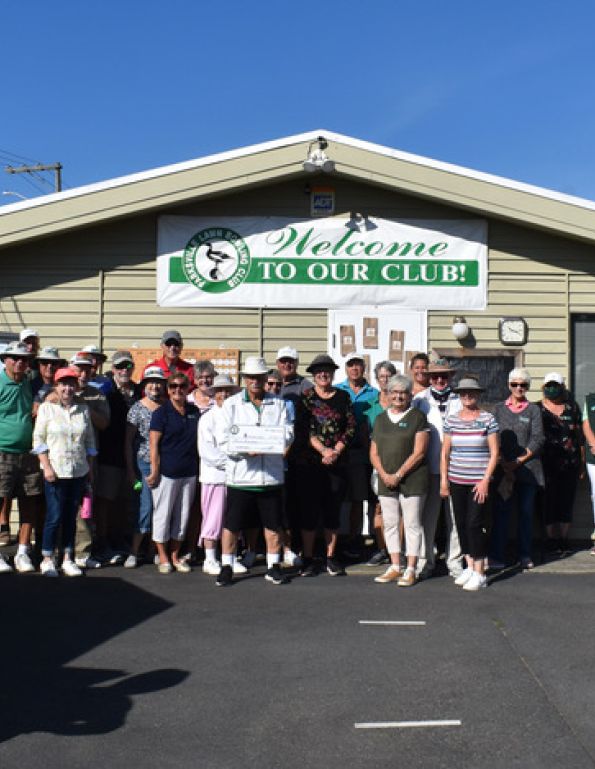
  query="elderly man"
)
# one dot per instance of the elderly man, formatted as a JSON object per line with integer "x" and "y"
{"x": 20, "y": 475}
{"x": 437, "y": 402}
{"x": 172, "y": 345}
{"x": 362, "y": 396}
{"x": 293, "y": 386}
{"x": 113, "y": 494}
{"x": 97, "y": 379}
{"x": 254, "y": 480}
{"x": 49, "y": 361}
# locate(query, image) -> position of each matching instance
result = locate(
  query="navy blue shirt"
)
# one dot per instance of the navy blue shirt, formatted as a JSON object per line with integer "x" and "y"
{"x": 177, "y": 447}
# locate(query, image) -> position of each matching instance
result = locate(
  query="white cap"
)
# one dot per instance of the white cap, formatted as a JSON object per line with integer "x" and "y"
{"x": 94, "y": 350}
{"x": 288, "y": 352}
{"x": 553, "y": 376}
{"x": 354, "y": 356}
{"x": 28, "y": 332}
{"x": 255, "y": 366}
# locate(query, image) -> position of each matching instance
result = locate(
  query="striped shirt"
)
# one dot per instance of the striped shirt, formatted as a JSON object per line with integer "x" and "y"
{"x": 469, "y": 453}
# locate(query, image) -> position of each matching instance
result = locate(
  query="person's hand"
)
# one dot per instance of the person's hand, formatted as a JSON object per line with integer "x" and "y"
{"x": 153, "y": 479}
{"x": 444, "y": 490}
{"x": 49, "y": 474}
{"x": 390, "y": 480}
{"x": 480, "y": 491}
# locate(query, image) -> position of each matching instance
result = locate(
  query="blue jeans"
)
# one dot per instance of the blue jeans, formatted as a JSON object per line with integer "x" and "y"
{"x": 525, "y": 496}
{"x": 62, "y": 499}
{"x": 145, "y": 508}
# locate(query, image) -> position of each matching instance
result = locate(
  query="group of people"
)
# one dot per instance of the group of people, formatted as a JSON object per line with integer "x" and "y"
{"x": 107, "y": 470}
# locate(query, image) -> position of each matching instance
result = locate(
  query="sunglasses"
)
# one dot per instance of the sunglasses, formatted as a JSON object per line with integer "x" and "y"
{"x": 523, "y": 385}
{"x": 172, "y": 343}
{"x": 439, "y": 376}
{"x": 274, "y": 383}
{"x": 124, "y": 366}
{"x": 177, "y": 387}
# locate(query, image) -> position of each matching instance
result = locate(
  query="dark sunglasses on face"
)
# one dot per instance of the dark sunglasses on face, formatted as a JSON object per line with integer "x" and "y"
{"x": 123, "y": 366}
{"x": 172, "y": 343}
{"x": 274, "y": 383}
{"x": 523, "y": 385}
{"x": 176, "y": 386}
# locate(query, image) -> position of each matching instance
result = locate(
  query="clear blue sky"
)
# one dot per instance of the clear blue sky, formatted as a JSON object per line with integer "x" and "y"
{"x": 115, "y": 87}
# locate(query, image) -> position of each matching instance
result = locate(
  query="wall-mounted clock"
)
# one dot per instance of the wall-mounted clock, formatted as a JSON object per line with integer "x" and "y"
{"x": 513, "y": 331}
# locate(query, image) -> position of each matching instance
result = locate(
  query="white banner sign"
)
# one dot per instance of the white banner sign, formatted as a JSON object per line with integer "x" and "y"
{"x": 333, "y": 262}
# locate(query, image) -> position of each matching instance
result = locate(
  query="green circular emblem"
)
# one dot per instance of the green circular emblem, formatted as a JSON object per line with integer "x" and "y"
{"x": 216, "y": 260}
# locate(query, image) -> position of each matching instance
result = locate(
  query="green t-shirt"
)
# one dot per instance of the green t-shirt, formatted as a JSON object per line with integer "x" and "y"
{"x": 16, "y": 423}
{"x": 395, "y": 442}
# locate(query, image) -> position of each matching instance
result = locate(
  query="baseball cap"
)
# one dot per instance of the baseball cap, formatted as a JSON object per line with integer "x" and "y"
{"x": 288, "y": 352}
{"x": 82, "y": 359}
{"x": 28, "y": 332}
{"x": 66, "y": 373}
{"x": 171, "y": 334}
{"x": 553, "y": 376}
{"x": 121, "y": 356}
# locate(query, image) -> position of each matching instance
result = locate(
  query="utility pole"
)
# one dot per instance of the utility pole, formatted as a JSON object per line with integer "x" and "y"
{"x": 55, "y": 167}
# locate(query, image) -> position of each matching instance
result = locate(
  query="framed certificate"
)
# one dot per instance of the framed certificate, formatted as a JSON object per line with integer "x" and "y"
{"x": 256, "y": 439}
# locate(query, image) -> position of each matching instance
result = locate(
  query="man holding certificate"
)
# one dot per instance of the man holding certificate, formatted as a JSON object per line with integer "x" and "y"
{"x": 255, "y": 432}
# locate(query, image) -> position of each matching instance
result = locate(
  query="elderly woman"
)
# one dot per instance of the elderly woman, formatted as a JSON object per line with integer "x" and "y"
{"x": 174, "y": 468}
{"x": 563, "y": 458}
{"x": 519, "y": 473}
{"x": 383, "y": 371}
{"x": 469, "y": 458}
{"x": 212, "y": 475}
{"x": 65, "y": 443}
{"x": 397, "y": 453}
{"x": 202, "y": 397}
{"x": 419, "y": 368}
{"x": 328, "y": 424}
{"x": 138, "y": 457}
{"x": 589, "y": 433}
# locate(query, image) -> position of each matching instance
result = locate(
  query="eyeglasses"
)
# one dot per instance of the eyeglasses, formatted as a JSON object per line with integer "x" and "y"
{"x": 287, "y": 361}
{"x": 399, "y": 393}
{"x": 172, "y": 343}
{"x": 274, "y": 383}
{"x": 176, "y": 386}
{"x": 523, "y": 385}
{"x": 439, "y": 376}
{"x": 123, "y": 366}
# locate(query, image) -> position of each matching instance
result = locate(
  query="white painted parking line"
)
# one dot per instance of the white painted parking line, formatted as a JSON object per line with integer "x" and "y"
{"x": 405, "y": 724}
{"x": 404, "y": 622}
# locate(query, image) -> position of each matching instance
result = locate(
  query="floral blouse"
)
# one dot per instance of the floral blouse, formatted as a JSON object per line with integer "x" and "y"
{"x": 331, "y": 420}
{"x": 140, "y": 416}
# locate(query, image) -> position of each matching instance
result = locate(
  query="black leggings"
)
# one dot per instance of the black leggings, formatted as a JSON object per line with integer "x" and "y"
{"x": 321, "y": 492}
{"x": 470, "y": 518}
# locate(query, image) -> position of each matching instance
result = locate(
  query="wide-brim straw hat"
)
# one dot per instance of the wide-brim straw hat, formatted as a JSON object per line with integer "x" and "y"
{"x": 440, "y": 366}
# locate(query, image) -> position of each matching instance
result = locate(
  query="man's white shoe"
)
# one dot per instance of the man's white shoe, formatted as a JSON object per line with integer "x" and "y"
{"x": 5, "y": 567}
{"x": 477, "y": 582}
{"x": 48, "y": 568}
{"x": 22, "y": 563}
{"x": 70, "y": 569}
{"x": 239, "y": 568}
{"x": 292, "y": 559}
{"x": 464, "y": 577}
{"x": 211, "y": 567}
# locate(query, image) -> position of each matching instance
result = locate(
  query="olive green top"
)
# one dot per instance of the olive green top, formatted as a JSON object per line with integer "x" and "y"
{"x": 394, "y": 443}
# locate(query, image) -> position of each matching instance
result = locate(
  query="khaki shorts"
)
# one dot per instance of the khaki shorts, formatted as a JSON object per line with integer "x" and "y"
{"x": 111, "y": 483}
{"x": 20, "y": 475}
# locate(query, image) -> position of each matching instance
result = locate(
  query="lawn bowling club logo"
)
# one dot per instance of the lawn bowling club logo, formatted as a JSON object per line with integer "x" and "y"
{"x": 216, "y": 260}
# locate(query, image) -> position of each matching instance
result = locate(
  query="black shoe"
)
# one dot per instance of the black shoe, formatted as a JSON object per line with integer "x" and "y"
{"x": 379, "y": 558}
{"x": 275, "y": 575}
{"x": 309, "y": 568}
{"x": 334, "y": 568}
{"x": 225, "y": 576}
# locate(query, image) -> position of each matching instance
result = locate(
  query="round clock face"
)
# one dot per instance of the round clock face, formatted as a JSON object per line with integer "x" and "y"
{"x": 513, "y": 331}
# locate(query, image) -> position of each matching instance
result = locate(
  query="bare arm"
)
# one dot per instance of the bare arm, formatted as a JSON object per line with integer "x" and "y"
{"x": 444, "y": 458}
{"x": 153, "y": 477}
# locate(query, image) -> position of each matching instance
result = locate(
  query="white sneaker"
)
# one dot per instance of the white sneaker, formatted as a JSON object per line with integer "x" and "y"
{"x": 70, "y": 569}
{"x": 87, "y": 563}
{"x": 211, "y": 567}
{"x": 48, "y": 568}
{"x": 5, "y": 567}
{"x": 464, "y": 577}
{"x": 248, "y": 560}
{"x": 239, "y": 568}
{"x": 292, "y": 559}
{"x": 22, "y": 563}
{"x": 476, "y": 582}
{"x": 131, "y": 562}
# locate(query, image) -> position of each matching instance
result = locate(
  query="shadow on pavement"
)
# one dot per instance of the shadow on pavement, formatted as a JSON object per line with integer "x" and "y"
{"x": 48, "y": 623}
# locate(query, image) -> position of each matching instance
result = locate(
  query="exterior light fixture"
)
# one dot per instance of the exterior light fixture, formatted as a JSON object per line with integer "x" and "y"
{"x": 317, "y": 159}
{"x": 460, "y": 328}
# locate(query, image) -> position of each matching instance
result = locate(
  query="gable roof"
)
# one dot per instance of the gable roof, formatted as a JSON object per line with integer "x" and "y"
{"x": 480, "y": 193}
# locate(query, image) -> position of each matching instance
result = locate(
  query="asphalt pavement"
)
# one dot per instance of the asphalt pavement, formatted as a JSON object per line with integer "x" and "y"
{"x": 131, "y": 668}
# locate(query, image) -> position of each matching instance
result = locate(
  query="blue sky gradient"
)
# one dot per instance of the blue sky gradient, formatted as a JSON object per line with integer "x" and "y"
{"x": 116, "y": 87}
